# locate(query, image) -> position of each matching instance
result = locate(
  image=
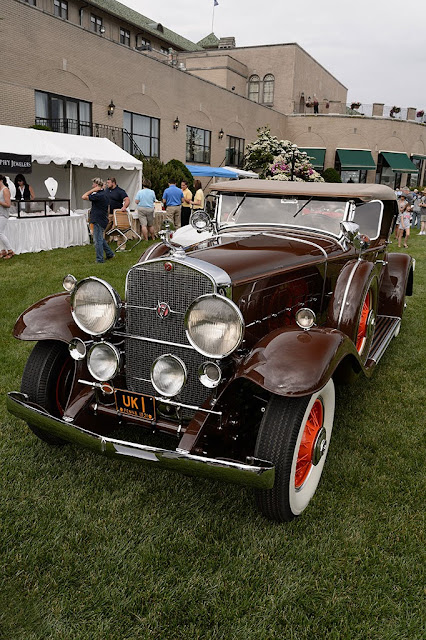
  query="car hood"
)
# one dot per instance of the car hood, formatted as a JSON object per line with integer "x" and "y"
{"x": 246, "y": 257}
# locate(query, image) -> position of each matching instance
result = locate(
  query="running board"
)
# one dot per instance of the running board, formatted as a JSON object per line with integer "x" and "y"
{"x": 386, "y": 328}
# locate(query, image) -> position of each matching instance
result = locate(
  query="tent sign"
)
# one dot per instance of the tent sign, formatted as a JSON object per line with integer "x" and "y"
{"x": 12, "y": 163}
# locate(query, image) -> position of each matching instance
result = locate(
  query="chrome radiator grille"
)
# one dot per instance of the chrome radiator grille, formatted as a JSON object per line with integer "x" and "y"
{"x": 147, "y": 285}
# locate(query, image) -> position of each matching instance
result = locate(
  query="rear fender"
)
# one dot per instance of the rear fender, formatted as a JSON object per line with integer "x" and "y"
{"x": 48, "y": 319}
{"x": 397, "y": 282}
{"x": 291, "y": 362}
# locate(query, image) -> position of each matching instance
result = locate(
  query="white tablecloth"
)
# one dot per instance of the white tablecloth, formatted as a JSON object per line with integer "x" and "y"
{"x": 42, "y": 234}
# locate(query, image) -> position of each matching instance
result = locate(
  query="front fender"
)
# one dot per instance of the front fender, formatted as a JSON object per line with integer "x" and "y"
{"x": 48, "y": 319}
{"x": 397, "y": 282}
{"x": 292, "y": 362}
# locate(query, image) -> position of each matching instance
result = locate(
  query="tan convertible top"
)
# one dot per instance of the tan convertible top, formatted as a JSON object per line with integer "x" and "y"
{"x": 364, "y": 192}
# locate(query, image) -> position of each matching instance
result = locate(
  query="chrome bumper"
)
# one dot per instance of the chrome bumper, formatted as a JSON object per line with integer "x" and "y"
{"x": 260, "y": 474}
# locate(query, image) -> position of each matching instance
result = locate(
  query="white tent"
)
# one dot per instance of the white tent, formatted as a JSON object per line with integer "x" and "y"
{"x": 71, "y": 160}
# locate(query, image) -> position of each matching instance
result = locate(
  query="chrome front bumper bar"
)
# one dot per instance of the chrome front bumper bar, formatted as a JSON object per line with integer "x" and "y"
{"x": 260, "y": 474}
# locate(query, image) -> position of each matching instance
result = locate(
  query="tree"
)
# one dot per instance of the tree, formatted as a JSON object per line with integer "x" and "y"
{"x": 331, "y": 175}
{"x": 275, "y": 159}
{"x": 159, "y": 174}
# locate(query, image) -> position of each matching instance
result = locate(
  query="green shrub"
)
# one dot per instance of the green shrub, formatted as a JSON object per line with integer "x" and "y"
{"x": 331, "y": 175}
{"x": 159, "y": 174}
{"x": 41, "y": 127}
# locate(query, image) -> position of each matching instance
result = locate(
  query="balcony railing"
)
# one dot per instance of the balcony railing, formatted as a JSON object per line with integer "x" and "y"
{"x": 119, "y": 136}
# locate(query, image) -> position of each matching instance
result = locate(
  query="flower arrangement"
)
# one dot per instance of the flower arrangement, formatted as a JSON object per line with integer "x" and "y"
{"x": 394, "y": 110}
{"x": 275, "y": 159}
{"x": 355, "y": 105}
{"x": 420, "y": 113}
{"x": 309, "y": 104}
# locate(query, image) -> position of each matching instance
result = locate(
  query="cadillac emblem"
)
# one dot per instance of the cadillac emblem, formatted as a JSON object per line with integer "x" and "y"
{"x": 163, "y": 310}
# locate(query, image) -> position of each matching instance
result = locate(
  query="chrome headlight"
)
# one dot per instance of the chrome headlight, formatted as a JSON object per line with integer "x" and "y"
{"x": 103, "y": 361}
{"x": 168, "y": 375}
{"x": 95, "y": 306}
{"x": 214, "y": 325}
{"x": 305, "y": 318}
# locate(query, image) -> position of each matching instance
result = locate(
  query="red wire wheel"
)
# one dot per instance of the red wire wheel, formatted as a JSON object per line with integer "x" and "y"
{"x": 313, "y": 426}
{"x": 363, "y": 323}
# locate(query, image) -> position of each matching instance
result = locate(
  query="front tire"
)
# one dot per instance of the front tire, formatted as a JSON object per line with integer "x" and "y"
{"x": 294, "y": 434}
{"x": 47, "y": 381}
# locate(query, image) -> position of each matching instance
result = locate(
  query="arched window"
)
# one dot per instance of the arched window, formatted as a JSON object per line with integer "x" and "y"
{"x": 254, "y": 88}
{"x": 268, "y": 89}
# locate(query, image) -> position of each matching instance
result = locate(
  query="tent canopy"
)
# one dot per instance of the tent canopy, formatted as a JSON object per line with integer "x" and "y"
{"x": 60, "y": 148}
{"x": 215, "y": 172}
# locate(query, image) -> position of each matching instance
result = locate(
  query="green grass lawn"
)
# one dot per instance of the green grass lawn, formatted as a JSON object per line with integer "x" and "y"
{"x": 94, "y": 549}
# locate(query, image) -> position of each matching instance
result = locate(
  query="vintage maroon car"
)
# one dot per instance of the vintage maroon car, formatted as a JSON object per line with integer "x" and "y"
{"x": 231, "y": 346}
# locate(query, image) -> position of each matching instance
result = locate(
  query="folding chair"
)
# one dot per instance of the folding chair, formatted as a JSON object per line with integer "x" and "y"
{"x": 122, "y": 224}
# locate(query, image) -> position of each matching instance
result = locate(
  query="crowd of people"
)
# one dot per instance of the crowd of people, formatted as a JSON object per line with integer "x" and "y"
{"x": 411, "y": 214}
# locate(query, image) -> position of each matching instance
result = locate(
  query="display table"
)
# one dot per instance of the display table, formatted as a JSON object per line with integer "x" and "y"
{"x": 29, "y": 235}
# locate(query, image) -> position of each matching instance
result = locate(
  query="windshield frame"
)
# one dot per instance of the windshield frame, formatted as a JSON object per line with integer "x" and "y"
{"x": 224, "y": 226}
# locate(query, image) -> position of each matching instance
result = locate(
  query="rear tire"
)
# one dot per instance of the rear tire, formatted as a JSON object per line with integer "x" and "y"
{"x": 47, "y": 381}
{"x": 294, "y": 435}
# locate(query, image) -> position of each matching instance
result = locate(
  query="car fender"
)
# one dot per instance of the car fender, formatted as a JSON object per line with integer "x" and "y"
{"x": 293, "y": 362}
{"x": 397, "y": 282}
{"x": 48, "y": 319}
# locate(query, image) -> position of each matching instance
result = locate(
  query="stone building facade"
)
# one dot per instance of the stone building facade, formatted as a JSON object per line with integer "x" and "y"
{"x": 100, "y": 68}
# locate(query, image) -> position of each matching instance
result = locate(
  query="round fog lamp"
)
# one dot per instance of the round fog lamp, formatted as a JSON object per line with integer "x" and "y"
{"x": 103, "y": 361}
{"x": 168, "y": 375}
{"x": 77, "y": 349}
{"x": 305, "y": 318}
{"x": 209, "y": 374}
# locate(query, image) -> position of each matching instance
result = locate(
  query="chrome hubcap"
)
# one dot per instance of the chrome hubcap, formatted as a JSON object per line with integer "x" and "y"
{"x": 320, "y": 446}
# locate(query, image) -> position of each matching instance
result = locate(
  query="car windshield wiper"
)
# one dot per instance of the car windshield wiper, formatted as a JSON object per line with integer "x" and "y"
{"x": 303, "y": 206}
{"x": 238, "y": 206}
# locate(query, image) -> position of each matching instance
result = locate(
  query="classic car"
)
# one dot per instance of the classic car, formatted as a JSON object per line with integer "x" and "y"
{"x": 231, "y": 346}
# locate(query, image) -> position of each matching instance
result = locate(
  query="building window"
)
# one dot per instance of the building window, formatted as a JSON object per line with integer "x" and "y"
{"x": 254, "y": 88}
{"x": 60, "y": 9}
{"x": 143, "y": 44}
{"x": 354, "y": 176}
{"x": 234, "y": 151}
{"x": 143, "y": 134}
{"x": 125, "y": 37}
{"x": 198, "y": 145}
{"x": 31, "y": 2}
{"x": 385, "y": 175}
{"x": 165, "y": 51}
{"x": 268, "y": 89}
{"x": 63, "y": 114}
{"x": 95, "y": 23}
{"x": 414, "y": 179}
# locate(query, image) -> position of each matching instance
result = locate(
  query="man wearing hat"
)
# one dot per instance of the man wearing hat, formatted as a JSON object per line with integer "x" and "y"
{"x": 423, "y": 214}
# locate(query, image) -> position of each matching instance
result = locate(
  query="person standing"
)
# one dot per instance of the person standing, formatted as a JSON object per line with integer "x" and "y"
{"x": 185, "y": 211}
{"x": 173, "y": 199}
{"x": 99, "y": 218}
{"x": 404, "y": 225}
{"x": 6, "y": 250}
{"x": 423, "y": 214}
{"x": 145, "y": 199}
{"x": 198, "y": 201}
{"x": 24, "y": 191}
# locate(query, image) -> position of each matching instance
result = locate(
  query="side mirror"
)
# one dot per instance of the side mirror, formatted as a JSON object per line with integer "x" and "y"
{"x": 200, "y": 221}
{"x": 352, "y": 236}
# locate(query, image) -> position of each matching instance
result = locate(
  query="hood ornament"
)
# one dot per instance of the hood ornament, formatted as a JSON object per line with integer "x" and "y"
{"x": 176, "y": 250}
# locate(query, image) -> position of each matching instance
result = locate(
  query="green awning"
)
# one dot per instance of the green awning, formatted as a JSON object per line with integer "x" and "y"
{"x": 399, "y": 162}
{"x": 417, "y": 156}
{"x": 356, "y": 160}
{"x": 317, "y": 156}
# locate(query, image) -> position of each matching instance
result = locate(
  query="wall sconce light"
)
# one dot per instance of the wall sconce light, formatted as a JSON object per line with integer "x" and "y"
{"x": 111, "y": 108}
{"x": 176, "y": 123}
{"x": 221, "y": 134}
{"x": 102, "y": 29}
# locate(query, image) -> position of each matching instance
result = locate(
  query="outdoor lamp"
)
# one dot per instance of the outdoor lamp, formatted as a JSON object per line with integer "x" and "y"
{"x": 102, "y": 29}
{"x": 176, "y": 123}
{"x": 221, "y": 134}
{"x": 111, "y": 108}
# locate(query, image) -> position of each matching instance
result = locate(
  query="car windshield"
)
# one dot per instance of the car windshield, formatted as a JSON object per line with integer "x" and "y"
{"x": 300, "y": 211}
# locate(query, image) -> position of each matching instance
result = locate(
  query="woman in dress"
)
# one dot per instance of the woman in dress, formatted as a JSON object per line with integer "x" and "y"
{"x": 404, "y": 225}
{"x": 6, "y": 251}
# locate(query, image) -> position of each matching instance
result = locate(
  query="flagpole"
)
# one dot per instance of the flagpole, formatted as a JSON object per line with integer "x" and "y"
{"x": 213, "y": 16}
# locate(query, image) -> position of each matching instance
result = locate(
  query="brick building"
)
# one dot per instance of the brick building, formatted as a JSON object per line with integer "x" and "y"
{"x": 100, "y": 68}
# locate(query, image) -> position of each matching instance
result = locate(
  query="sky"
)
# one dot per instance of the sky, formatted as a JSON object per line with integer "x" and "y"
{"x": 375, "y": 48}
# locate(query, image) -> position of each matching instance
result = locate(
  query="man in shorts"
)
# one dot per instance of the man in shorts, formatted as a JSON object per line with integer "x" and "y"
{"x": 145, "y": 199}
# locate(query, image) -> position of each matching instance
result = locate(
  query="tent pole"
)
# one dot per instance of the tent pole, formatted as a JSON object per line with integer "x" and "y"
{"x": 70, "y": 183}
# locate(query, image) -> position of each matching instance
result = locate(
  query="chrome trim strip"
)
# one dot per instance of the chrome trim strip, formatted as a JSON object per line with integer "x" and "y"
{"x": 135, "y": 306}
{"x": 260, "y": 474}
{"x": 345, "y": 295}
{"x": 172, "y": 344}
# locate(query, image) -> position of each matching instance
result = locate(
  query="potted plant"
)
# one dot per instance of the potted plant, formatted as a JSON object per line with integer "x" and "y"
{"x": 420, "y": 113}
{"x": 355, "y": 105}
{"x": 394, "y": 110}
